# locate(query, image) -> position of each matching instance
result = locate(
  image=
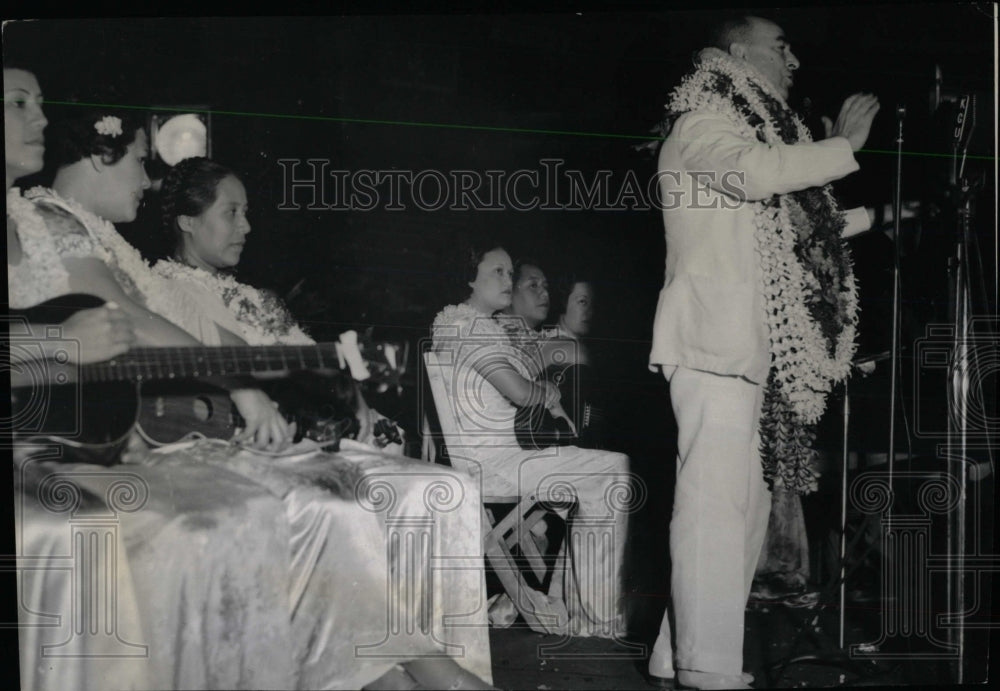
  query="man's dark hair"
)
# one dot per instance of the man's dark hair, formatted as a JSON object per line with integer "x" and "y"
{"x": 732, "y": 29}
{"x": 519, "y": 268}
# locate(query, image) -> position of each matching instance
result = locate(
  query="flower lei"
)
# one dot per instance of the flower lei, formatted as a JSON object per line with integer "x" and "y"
{"x": 115, "y": 251}
{"x": 810, "y": 296}
{"x": 479, "y": 329}
{"x": 39, "y": 259}
{"x": 263, "y": 318}
{"x": 527, "y": 341}
{"x": 462, "y": 314}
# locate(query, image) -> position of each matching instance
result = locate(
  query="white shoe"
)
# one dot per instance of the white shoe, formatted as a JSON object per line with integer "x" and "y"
{"x": 711, "y": 681}
{"x": 661, "y": 664}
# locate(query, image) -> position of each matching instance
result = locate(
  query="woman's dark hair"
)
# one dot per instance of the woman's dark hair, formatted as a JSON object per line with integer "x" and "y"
{"x": 14, "y": 64}
{"x": 87, "y": 131}
{"x": 560, "y": 291}
{"x": 465, "y": 266}
{"x": 189, "y": 188}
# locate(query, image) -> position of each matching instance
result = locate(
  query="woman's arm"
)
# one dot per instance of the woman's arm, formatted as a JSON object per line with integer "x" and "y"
{"x": 265, "y": 428}
{"x": 101, "y": 333}
{"x": 91, "y": 275}
{"x": 520, "y": 391}
{"x": 515, "y": 388}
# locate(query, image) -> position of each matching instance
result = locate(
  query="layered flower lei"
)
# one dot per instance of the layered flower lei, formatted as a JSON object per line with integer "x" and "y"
{"x": 526, "y": 340}
{"x": 38, "y": 255}
{"x": 263, "y": 318}
{"x": 479, "y": 330}
{"x": 115, "y": 251}
{"x": 810, "y": 296}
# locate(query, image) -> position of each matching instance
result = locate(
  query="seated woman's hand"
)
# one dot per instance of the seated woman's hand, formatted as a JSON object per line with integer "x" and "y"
{"x": 102, "y": 333}
{"x": 266, "y": 429}
{"x": 552, "y": 395}
{"x": 559, "y": 412}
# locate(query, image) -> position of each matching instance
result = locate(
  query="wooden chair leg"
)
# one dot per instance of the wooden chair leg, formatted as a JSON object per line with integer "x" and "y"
{"x": 542, "y": 613}
{"x": 529, "y": 549}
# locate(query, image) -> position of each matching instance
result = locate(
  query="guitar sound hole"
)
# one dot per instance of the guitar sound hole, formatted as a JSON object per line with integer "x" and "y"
{"x": 201, "y": 406}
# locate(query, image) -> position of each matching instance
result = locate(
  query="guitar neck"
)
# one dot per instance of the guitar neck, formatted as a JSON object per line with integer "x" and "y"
{"x": 146, "y": 364}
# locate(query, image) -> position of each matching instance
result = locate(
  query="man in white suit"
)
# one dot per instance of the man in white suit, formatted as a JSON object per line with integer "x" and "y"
{"x": 732, "y": 163}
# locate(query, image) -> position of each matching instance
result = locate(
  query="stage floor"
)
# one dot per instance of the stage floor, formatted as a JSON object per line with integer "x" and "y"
{"x": 523, "y": 659}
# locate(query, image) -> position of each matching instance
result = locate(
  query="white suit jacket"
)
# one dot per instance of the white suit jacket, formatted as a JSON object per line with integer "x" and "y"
{"x": 710, "y": 311}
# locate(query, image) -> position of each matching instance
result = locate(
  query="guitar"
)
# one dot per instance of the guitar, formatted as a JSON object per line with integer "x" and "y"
{"x": 93, "y": 408}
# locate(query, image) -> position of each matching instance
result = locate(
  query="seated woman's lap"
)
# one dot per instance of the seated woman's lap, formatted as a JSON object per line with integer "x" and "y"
{"x": 198, "y": 550}
{"x": 343, "y": 512}
{"x": 550, "y": 473}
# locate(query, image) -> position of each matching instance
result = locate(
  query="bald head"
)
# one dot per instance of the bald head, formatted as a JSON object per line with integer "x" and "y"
{"x": 730, "y": 31}
{"x": 762, "y": 44}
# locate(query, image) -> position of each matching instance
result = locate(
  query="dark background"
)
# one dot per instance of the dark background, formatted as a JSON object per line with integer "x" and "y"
{"x": 595, "y": 83}
{"x": 504, "y": 91}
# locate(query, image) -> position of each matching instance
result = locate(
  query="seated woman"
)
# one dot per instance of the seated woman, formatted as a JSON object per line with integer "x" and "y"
{"x": 568, "y": 361}
{"x": 339, "y": 511}
{"x": 204, "y": 214}
{"x": 488, "y": 380}
{"x": 575, "y": 308}
{"x": 148, "y": 515}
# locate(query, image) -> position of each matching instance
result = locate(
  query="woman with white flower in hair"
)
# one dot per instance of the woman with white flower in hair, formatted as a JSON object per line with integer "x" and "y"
{"x": 334, "y": 565}
{"x": 143, "y": 606}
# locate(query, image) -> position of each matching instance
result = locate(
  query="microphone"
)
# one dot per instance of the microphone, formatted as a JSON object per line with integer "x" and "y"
{"x": 936, "y": 93}
{"x": 901, "y": 112}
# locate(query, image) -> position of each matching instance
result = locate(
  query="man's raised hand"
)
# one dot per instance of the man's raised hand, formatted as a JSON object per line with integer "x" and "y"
{"x": 855, "y": 120}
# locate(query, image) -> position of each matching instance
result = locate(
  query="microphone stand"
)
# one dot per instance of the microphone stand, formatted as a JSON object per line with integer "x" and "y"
{"x": 842, "y": 658}
{"x": 897, "y": 207}
{"x": 958, "y": 389}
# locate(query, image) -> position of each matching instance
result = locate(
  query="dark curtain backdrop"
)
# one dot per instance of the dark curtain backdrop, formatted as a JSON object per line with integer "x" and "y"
{"x": 506, "y": 92}
{"x": 503, "y": 92}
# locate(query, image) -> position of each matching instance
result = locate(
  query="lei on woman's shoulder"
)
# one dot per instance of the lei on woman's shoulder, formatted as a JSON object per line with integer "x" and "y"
{"x": 133, "y": 272}
{"x": 39, "y": 257}
{"x": 810, "y": 296}
{"x": 263, "y": 317}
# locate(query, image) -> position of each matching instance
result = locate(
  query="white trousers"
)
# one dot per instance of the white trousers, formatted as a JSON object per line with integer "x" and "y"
{"x": 721, "y": 509}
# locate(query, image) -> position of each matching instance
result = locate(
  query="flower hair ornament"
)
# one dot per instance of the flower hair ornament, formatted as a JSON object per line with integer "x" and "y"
{"x": 109, "y": 125}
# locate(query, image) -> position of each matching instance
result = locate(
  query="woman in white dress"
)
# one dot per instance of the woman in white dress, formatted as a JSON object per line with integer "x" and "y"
{"x": 342, "y": 581}
{"x": 489, "y": 379}
{"x": 180, "y": 559}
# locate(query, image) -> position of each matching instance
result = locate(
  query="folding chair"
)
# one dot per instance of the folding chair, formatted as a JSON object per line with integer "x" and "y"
{"x": 542, "y": 612}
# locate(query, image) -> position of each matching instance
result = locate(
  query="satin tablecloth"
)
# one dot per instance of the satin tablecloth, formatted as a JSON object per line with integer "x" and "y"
{"x": 215, "y": 567}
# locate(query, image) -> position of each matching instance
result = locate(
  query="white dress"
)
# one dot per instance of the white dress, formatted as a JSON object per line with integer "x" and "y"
{"x": 182, "y": 553}
{"x": 486, "y": 447}
{"x": 374, "y": 560}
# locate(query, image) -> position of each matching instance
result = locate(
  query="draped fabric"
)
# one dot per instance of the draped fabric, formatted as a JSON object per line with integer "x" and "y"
{"x": 192, "y": 560}
{"x": 381, "y": 558}
{"x": 240, "y": 570}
